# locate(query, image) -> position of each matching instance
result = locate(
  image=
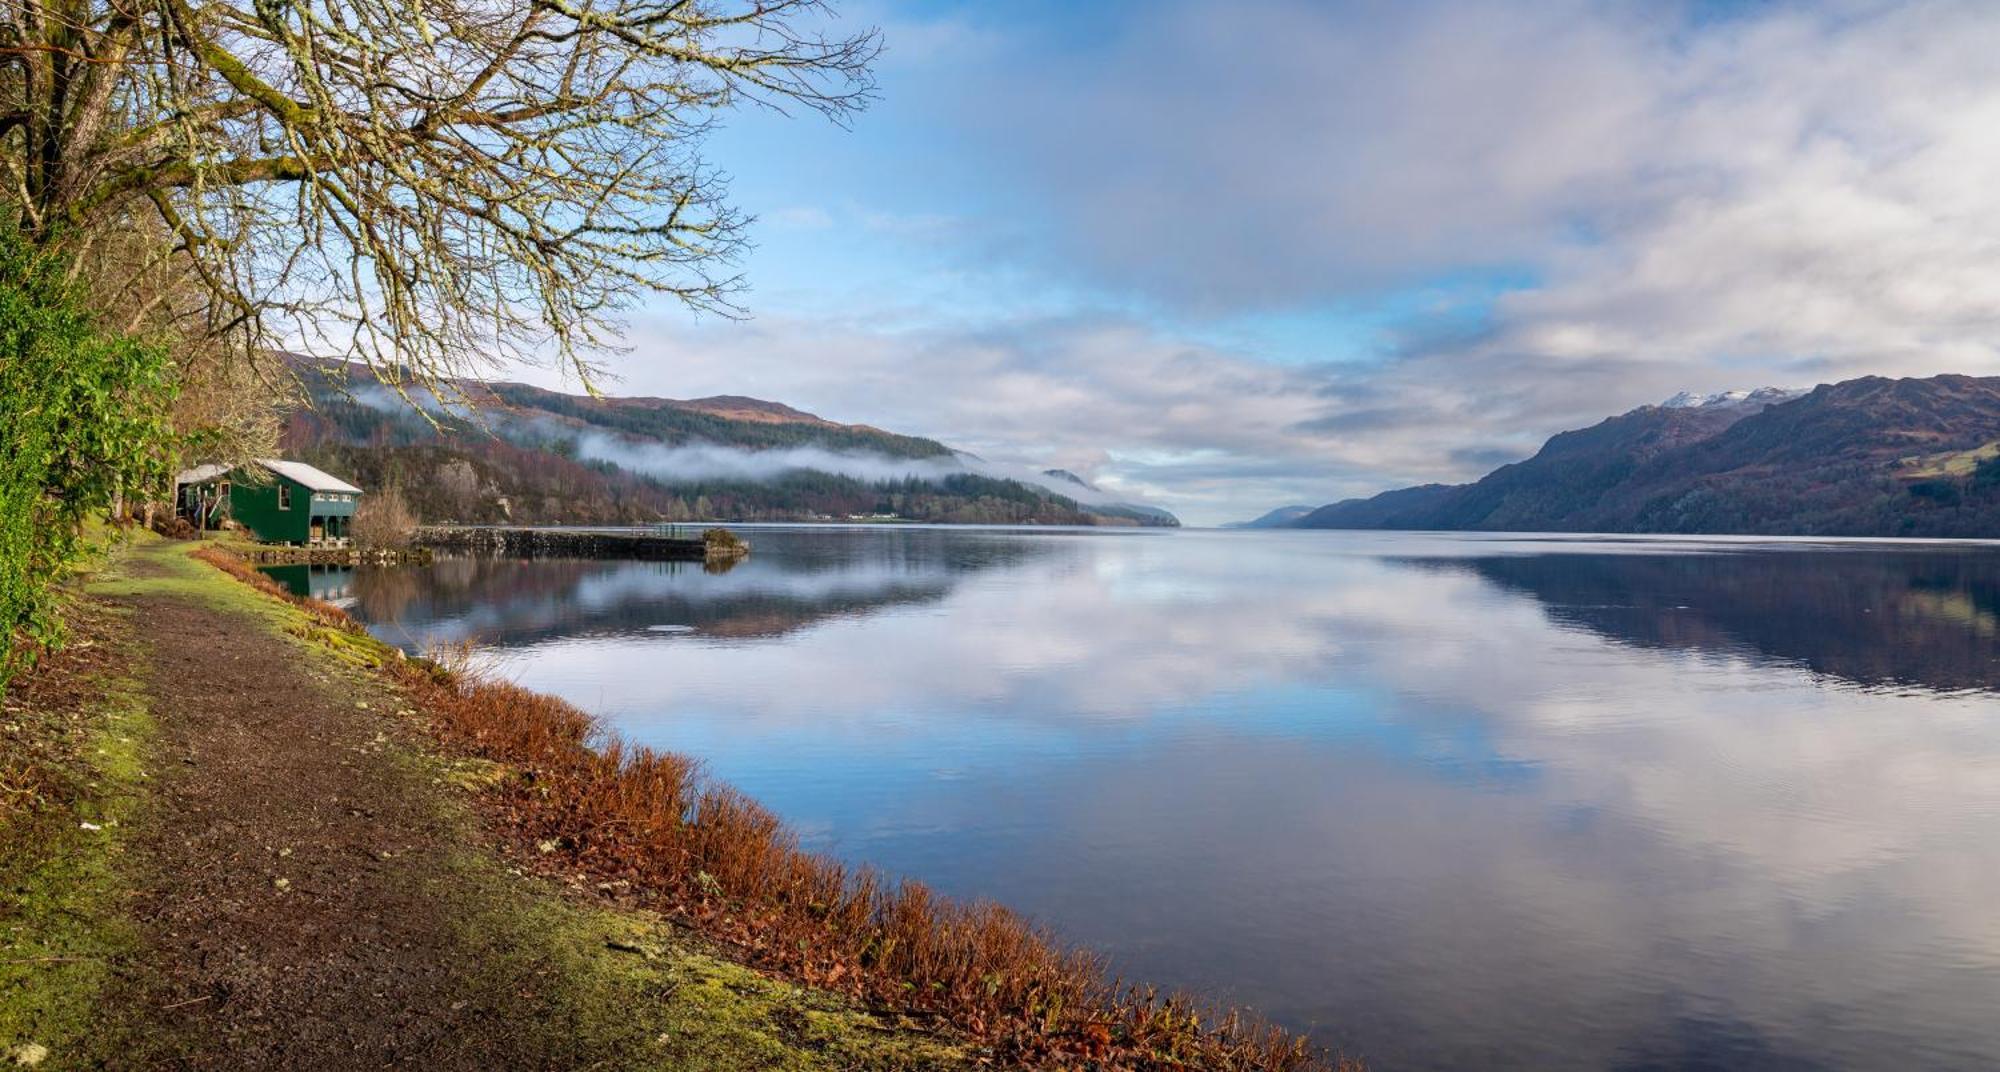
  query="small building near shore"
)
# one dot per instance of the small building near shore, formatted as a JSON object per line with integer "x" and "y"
{"x": 275, "y": 500}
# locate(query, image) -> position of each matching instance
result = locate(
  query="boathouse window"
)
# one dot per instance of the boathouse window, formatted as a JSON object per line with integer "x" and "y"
{"x": 284, "y": 497}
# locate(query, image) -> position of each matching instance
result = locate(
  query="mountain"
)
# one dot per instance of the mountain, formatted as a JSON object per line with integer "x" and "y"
{"x": 534, "y": 456}
{"x": 1276, "y": 519}
{"x": 1865, "y": 457}
{"x": 1099, "y": 502}
{"x": 1762, "y": 396}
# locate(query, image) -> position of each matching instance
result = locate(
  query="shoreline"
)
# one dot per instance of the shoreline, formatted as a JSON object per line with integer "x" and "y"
{"x": 272, "y": 863}
{"x": 625, "y": 829}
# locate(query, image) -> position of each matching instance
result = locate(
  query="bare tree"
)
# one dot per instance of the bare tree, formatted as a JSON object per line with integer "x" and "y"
{"x": 428, "y": 186}
{"x": 225, "y": 409}
{"x": 384, "y": 519}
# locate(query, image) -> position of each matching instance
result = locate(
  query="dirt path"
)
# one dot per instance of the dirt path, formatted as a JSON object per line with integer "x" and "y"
{"x": 290, "y": 911}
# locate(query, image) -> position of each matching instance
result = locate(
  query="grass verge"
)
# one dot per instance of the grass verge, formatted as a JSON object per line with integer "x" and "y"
{"x": 71, "y": 782}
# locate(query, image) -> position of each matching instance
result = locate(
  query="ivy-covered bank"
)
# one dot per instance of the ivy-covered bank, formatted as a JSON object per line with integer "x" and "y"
{"x": 83, "y": 420}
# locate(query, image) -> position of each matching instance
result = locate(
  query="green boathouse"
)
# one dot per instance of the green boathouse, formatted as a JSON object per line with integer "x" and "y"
{"x": 277, "y": 501}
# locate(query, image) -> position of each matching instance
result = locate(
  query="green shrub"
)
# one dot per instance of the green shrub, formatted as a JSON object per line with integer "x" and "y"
{"x": 83, "y": 419}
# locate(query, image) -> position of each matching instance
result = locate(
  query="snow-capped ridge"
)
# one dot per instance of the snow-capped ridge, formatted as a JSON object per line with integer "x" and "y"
{"x": 1762, "y": 396}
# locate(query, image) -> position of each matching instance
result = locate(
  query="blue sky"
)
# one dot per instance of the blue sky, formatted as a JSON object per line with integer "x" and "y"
{"x": 1226, "y": 257}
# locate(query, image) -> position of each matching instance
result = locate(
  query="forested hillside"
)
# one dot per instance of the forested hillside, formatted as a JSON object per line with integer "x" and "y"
{"x": 728, "y": 419}
{"x": 1865, "y": 457}
{"x": 533, "y": 456}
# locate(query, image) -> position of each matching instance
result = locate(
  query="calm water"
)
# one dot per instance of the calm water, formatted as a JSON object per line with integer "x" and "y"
{"x": 1444, "y": 801}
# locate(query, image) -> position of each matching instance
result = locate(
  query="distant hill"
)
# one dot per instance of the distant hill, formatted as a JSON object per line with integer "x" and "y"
{"x": 1099, "y": 502}
{"x": 1865, "y": 457}
{"x": 529, "y": 455}
{"x": 1276, "y": 519}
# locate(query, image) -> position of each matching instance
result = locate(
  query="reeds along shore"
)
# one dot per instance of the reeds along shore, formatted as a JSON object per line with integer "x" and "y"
{"x": 655, "y": 827}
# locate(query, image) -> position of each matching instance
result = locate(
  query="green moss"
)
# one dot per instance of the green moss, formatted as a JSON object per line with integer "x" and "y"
{"x": 623, "y": 989}
{"x": 473, "y": 774}
{"x": 158, "y": 568}
{"x": 62, "y": 930}
{"x": 151, "y": 566}
{"x": 626, "y": 991}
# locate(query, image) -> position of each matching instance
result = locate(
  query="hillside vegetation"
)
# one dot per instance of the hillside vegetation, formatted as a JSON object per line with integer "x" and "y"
{"x": 1865, "y": 457}
{"x": 529, "y": 455}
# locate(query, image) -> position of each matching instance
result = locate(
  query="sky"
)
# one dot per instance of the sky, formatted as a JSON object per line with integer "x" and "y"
{"x": 1226, "y": 257}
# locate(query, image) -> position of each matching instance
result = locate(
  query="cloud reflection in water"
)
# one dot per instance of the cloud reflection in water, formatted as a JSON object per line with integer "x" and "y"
{"x": 1466, "y": 800}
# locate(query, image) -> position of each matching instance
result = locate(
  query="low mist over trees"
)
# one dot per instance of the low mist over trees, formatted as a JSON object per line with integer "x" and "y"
{"x": 551, "y": 458}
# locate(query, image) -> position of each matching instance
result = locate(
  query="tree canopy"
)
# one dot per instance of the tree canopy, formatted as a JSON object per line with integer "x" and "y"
{"x": 429, "y": 186}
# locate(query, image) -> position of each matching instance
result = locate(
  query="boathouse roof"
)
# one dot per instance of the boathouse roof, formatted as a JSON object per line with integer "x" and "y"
{"x": 312, "y": 478}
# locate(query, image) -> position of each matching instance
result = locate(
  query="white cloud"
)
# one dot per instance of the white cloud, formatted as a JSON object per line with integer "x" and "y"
{"x": 1788, "y": 195}
{"x": 1802, "y": 193}
{"x": 1141, "y": 415}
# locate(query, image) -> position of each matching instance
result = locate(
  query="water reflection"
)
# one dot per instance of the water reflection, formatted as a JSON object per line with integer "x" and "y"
{"x": 330, "y": 584}
{"x": 1447, "y": 801}
{"x": 1921, "y": 617}
{"x": 512, "y": 603}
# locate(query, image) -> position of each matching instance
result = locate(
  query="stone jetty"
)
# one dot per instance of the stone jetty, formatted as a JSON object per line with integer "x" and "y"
{"x": 528, "y": 542}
